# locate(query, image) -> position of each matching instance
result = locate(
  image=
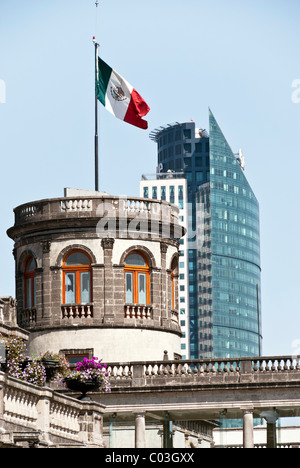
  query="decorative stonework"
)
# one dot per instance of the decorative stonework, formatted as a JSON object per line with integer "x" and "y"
{"x": 163, "y": 248}
{"x": 46, "y": 245}
{"x": 107, "y": 243}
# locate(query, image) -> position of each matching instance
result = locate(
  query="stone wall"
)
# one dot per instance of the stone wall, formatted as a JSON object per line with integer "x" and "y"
{"x": 32, "y": 416}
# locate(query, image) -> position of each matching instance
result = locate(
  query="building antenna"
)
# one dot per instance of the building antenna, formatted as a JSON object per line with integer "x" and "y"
{"x": 96, "y": 104}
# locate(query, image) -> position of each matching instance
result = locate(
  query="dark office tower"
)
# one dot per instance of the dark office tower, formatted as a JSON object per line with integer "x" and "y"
{"x": 224, "y": 245}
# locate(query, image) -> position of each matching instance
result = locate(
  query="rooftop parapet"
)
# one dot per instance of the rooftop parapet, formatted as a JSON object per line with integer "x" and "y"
{"x": 97, "y": 211}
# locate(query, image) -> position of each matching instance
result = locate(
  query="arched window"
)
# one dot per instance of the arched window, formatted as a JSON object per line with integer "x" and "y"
{"x": 77, "y": 279}
{"x": 30, "y": 283}
{"x": 137, "y": 282}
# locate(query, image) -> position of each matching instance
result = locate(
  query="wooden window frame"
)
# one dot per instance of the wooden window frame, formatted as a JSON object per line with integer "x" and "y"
{"x": 135, "y": 270}
{"x": 29, "y": 275}
{"x": 77, "y": 269}
{"x": 173, "y": 289}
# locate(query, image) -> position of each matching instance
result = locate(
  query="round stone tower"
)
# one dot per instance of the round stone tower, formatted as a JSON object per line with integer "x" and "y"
{"x": 96, "y": 275}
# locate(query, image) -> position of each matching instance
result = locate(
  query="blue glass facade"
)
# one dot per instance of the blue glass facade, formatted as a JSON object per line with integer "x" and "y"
{"x": 224, "y": 245}
{"x": 236, "y": 275}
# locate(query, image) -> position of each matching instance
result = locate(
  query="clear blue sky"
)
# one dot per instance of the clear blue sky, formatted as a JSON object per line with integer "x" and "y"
{"x": 239, "y": 58}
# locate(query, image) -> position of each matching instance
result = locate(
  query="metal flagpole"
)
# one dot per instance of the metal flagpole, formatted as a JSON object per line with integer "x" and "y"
{"x": 96, "y": 109}
{"x": 96, "y": 124}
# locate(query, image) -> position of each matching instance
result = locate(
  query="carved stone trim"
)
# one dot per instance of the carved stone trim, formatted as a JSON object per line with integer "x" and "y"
{"x": 46, "y": 246}
{"x": 163, "y": 247}
{"x": 107, "y": 243}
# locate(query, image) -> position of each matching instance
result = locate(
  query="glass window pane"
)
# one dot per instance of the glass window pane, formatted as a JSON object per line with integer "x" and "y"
{"x": 85, "y": 288}
{"x": 135, "y": 259}
{"x": 142, "y": 289}
{"x": 172, "y": 194}
{"x": 77, "y": 258}
{"x": 28, "y": 294}
{"x": 180, "y": 196}
{"x": 70, "y": 288}
{"x": 77, "y": 358}
{"x": 128, "y": 288}
{"x": 31, "y": 266}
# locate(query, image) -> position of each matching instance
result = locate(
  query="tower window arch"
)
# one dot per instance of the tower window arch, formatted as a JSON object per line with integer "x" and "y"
{"x": 30, "y": 283}
{"x": 77, "y": 278}
{"x": 136, "y": 279}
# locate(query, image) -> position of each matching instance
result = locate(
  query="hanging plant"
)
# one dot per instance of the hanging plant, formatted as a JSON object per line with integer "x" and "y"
{"x": 89, "y": 375}
{"x": 56, "y": 366}
{"x": 34, "y": 373}
{"x": 37, "y": 371}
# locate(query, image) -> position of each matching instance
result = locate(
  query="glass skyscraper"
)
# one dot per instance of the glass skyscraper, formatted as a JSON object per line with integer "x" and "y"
{"x": 223, "y": 240}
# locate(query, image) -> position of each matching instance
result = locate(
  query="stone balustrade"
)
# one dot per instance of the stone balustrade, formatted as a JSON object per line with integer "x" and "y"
{"x": 46, "y": 418}
{"x": 137, "y": 311}
{"x": 27, "y": 317}
{"x": 195, "y": 390}
{"x": 109, "y": 215}
{"x": 42, "y": 417}
{"x": 77, "y": 311}
{"x": 200, "y": 371}
{"x": 77, "y": 204}
{"x": 59, "y": 208}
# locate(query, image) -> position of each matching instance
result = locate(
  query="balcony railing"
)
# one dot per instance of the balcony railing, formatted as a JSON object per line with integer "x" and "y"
{"x": 197, "y": 371}
{"x": 77, "y": 311}
{"x": 175, "y": 316}
{"x": 137, "y": 311}
{"x": 27, "y": 317}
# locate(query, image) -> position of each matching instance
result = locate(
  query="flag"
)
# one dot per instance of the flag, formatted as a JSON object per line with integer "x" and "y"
{"x": 119, "y": 97}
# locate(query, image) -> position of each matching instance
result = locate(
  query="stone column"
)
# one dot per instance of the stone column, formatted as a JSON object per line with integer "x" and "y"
{"x": 164, "y": 284}
{"x": 43, "y": 419}
{"x": 45, "y": 283}
{"x": 271, "y": 417}
{"x": 168, "y": 432}
{"x": 91, "y": 425}
{"x": 140, "y": 430}
{"x": 108, "y": 245}
{"x": 2, "y": 398}
{"x": 2, "y": 423}
{"x": 271, "y": 435}
{"x": 248, "y": 436}
{"x": 98, "y": 293}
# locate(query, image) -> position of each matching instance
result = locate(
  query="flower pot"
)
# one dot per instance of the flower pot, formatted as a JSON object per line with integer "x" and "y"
{"x": 83, "y": 387}
{"x": 51, "y": 367}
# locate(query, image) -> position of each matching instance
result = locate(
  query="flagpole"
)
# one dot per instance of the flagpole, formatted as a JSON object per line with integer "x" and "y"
{"x": 96, "y": 104}
{"x": 96, "y": 123}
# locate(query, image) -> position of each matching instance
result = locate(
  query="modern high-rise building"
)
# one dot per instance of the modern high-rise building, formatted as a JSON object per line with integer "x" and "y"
{"x": 222, "y": 246}
{"x": 171, "y": 187}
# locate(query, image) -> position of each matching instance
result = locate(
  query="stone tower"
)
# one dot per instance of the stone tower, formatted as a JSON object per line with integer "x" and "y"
{"x": 97, "y": 275}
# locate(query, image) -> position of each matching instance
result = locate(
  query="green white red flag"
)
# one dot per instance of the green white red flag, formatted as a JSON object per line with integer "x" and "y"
{"x": 119, "y": 97}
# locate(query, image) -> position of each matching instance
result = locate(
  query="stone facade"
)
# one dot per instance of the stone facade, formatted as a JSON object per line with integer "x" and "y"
{"x": 107, "y": 229}
{"x": 8, "y": 319}
{"x": 38, "y": 417}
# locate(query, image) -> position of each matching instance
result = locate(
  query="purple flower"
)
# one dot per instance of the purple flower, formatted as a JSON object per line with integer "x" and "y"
{"x": 91, "y": 369}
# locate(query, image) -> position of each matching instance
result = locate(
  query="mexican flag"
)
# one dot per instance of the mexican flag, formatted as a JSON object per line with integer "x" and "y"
{"x": 119, "y": 97}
